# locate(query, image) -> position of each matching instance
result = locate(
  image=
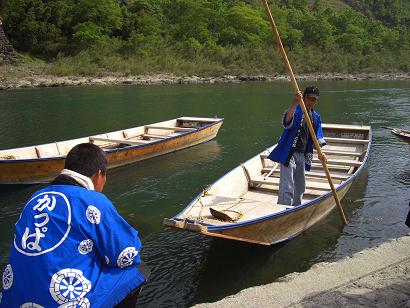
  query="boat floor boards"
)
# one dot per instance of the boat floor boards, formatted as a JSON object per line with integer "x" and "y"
{"x": 253, "y": 204}
{"x": 247, "y": 208}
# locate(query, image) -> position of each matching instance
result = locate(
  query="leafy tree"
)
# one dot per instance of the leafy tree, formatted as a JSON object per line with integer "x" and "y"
{"x": 88, "y": 34}
{"x": 243, "y": 25}
{"x": 106, "y": 14}
{"x": 223, "y": 34}
{"x": 190, "y": 19}
{"x": 34, "y": 25}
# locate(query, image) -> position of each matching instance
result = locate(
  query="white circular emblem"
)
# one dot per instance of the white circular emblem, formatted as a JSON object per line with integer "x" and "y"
{"x": 31, "y": 305}
{"x": 107, "y": 260}
{"x": 82, "y": 303}
{"x": 93, "y": 214}
{"x": 69, "y": 286}
{"x": 7, "y": 277}
{"x": 85, "y": 246}
{"x": 45, "y": 232}
{"x": 126, "y": 257}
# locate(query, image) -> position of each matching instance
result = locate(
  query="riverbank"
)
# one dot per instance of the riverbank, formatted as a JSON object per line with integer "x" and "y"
{"x": 19, "y": 80}
{"x": 375, "y": 277}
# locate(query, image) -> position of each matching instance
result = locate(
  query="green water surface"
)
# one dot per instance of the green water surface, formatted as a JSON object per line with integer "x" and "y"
{"x": 188, "y": 268}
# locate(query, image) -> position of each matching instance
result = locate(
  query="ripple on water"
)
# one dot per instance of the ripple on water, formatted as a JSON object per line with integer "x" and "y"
{"x": 175, "y": 259}
{"x": 187, "y": 268}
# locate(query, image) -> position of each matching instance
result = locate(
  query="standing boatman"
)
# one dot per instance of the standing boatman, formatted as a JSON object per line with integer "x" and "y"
{"x": 294, "y": 150}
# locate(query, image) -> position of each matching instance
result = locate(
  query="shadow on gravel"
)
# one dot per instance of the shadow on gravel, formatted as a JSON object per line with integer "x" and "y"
{"x": 359, "y": 295}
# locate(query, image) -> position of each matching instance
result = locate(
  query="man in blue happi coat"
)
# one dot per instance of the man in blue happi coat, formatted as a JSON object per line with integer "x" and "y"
{"x": 294, "y": 150}
{"x": 71, "y": 247}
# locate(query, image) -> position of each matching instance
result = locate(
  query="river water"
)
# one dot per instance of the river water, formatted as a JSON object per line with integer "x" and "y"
{"x": 188, "y": 268}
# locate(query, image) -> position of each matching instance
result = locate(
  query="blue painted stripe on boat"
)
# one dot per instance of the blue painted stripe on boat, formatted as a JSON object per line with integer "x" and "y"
{"x": 4, "y": 161}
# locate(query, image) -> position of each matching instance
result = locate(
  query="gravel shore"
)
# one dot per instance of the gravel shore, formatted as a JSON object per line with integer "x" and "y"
{"x": 36, "y": 81}
{"x": 375, "y": 277}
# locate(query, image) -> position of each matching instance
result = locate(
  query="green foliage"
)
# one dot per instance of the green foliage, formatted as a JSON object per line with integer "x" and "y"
{"x": 105, "y": 14}
{"x": 132, "y": 36}
{"x": 87, "y": 34}
{"x": 243, "y": 25}
{"x": 34, "y": 25}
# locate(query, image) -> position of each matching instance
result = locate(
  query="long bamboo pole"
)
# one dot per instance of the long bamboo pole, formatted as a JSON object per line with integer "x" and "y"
{"x": 302, "y": 105}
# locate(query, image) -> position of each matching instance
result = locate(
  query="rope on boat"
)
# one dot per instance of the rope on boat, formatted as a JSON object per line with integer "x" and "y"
{"x": 230, "y": 209}
{"x": 8, "y": 157}
{"x": 204, "y": 193}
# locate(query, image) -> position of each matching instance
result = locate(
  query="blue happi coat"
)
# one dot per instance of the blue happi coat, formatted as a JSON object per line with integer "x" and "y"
{"x": 71, "y": 248}
{"x": 287, "y": 141}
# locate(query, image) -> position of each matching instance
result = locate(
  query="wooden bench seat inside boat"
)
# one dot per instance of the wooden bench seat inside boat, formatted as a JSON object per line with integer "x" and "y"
{"x": 274, "y": 189}
{"x": 156, "y": 136}
{"x": 192, "y": 122}
{"x": 316, "y": 185}
{"x": 340, "y": 162}
{"x": 152, "y": 136}
{"x": 345, "y": 127}
{"x": 332, "y": 153}
{"x": 332, "y": 167}
{"x": 337, "y": 176}
{"x": 194, "y": 119}
{"x": 124, "y": 141}
{"x": 346, "y": 140}
{"x": 174, "y": 128}
{"x": 319, "y": 166}
{"x": 133, "y": 132}
{"x": 48, "y": 150}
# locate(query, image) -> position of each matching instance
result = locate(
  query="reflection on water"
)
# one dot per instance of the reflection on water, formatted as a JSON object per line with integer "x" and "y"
{"x": 403, "y": 177}
{"x": 187, "y": 268}
{"x": 230, "y": 263}
{"x": 175, "y": 259}
{"x": 144, "y": 177}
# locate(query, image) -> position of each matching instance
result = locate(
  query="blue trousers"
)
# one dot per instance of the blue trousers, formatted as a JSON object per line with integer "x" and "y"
{"x": 292, "y": 183}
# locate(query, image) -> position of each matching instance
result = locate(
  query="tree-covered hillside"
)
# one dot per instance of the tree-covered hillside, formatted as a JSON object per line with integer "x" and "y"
{"x": 209, "y": 36}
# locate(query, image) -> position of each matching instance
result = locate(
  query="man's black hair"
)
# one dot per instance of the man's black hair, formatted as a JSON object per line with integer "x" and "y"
{"x": 87, "y": 159}
{"x": 311, "y": 90}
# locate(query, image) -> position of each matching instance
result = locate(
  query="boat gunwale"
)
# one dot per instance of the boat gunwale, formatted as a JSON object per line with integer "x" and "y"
{"x": 211, "y": 227}
{"x": 109, "y": 151}
{"x": 400, "y": 133}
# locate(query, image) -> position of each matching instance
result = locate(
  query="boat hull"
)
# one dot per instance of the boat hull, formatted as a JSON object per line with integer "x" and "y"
{"x": 243, "y": 204}
{"x": 404, "y": 137}
{"x": 33, "y": 171}
{"x": 283, "y": 227}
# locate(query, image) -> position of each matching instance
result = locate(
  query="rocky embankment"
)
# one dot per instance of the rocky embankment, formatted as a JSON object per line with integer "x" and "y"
{"x": 7, "y": 52}
{"x": 68, "y": 81}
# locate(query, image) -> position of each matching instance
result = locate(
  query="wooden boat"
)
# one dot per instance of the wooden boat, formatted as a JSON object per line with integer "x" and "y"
{"x": 401, "y": 134}
{"x": 242, "y": 205}
{"x": 41, "y": 163}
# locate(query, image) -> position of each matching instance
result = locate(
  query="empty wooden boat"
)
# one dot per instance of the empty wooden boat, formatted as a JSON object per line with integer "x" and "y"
{"x": 41, "y": 163}
{"x": 242, "y": 205}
